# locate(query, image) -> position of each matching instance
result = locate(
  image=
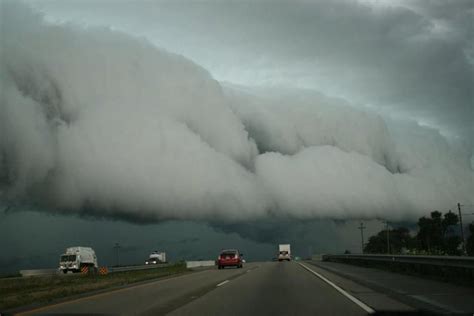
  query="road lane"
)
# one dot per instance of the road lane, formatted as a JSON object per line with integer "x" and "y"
{"x": 428, "y": 295}
{"x": 276, "y": 288}
{"x": 154, "y": 298}
{"x": 271, "y": 288}
{"x": 358, "y": 302}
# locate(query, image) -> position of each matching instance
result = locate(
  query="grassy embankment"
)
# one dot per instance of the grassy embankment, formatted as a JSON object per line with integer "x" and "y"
{"x": 15, "y": 292}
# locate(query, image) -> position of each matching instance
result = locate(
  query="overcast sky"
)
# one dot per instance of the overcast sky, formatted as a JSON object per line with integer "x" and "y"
{"x": 409, "y": 58}
{"x": 232, "y": 123}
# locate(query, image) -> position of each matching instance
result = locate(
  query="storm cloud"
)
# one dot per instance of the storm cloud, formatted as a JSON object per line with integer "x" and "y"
{"x": 100, "y": 122}
{"x": 412, "y": 58}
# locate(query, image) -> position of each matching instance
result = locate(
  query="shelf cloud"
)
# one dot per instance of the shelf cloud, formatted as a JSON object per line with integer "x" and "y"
{"x": 98, "y": 122}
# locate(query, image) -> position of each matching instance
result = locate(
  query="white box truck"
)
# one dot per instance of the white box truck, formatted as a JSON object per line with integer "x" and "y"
{"x": 156, "y": 257}
{"x": 76, "y": 258}
{"x": 284, "y": 252}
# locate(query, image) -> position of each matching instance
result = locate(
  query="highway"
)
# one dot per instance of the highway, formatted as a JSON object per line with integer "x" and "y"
{"x": 270, "y": 288}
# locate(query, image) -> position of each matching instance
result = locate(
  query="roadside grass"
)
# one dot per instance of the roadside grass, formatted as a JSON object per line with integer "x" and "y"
{"x": 43, "y": 289}
{"x": 9, "y": 275}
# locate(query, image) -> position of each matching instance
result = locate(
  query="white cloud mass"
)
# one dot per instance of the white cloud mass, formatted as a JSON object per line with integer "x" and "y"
{"x": 95, "y": 121}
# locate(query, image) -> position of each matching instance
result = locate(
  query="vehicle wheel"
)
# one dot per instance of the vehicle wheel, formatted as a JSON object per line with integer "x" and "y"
{"x": 219, "y": 267}
{"x": 65, "y": 271}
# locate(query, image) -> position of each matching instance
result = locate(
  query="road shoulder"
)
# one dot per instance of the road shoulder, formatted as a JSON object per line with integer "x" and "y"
{"x": 427, "y": 296}
{"x": 380, "y": 302}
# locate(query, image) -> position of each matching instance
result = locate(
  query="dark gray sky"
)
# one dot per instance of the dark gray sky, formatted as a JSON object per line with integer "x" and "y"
{"x": 33, "y": 240}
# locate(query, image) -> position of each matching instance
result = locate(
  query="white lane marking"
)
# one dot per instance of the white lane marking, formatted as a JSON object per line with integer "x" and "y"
{"x": 365, "y": 307}
{"x": 248, "y": 271}
{"x": 222, "y": 283}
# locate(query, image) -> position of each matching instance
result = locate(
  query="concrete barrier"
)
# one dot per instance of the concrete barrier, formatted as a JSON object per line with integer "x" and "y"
{"x": 197, "y": 264}
{"x": 38, "y": 272}
{"x": 48, "y": 272}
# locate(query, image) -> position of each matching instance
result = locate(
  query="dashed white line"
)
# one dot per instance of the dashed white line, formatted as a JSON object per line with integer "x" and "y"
{"x": 222, "y": 283}
{"x": 361, "y": 304}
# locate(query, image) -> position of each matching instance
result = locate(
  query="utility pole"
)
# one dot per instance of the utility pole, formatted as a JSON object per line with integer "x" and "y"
{"x": 462, "y": 230}
{"x": 117, "y": 247}
{"x": 388, "y": 239}
{"x": 362, "y": 227}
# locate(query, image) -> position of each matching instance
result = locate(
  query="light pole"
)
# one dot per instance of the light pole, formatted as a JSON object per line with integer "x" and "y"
{"x": 362, "y": 227}
{"x": 117, "y": 247}
{"x": 462, "y": 228}
{"x": 388, "y": 238}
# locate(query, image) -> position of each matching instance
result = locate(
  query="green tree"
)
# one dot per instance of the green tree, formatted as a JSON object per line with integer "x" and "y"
{"x": 451, "y": 245}
{"x": 377, "y": 243}
{"x": 437, "y": 235}
{"x": 451, "y": 241}
{"x": 399, "y": 238}
{"x": 470, "y": 241}
{"x": 430, "y": 232}
{"x": 450, "y": 219}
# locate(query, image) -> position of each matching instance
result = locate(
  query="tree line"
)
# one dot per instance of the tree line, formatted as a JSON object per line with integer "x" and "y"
{"x": 437, "y": 235}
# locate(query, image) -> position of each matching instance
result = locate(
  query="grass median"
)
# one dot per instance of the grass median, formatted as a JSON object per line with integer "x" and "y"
{"x": 43, "y": 289}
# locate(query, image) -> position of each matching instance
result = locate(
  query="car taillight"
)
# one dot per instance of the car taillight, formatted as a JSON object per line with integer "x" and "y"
{"x": 236, "y": 256}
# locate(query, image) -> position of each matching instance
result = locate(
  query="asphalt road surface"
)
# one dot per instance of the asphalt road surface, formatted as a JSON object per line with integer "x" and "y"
{"x": 271, "y": 288}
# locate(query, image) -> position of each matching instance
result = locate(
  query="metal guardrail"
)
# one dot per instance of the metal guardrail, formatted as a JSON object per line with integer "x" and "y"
{"x": 446, "y": 261}
{"x": 50, "y": 272}
{"x": 141, "y": 267}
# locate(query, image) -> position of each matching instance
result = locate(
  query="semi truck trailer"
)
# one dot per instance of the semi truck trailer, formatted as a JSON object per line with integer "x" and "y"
{"x": 284, "y": 252}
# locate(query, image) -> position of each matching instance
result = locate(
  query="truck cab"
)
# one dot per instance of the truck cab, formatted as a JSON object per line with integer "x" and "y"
{"x": 76, "y": 258}
{"x": 156, "y": 257}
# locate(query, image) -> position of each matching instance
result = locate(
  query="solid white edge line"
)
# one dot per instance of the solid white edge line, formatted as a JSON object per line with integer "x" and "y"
{"x": 362, "y": 305}
{"x": 222, "y": 283}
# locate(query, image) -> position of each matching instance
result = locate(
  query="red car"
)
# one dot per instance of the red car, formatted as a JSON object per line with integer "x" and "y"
{"x": 228, "y": 258}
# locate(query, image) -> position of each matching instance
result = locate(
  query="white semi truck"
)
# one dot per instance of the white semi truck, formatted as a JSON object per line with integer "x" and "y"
{"x": 156, "y": 257}
{"x": 76, "y": 258}
{"x": 284, "y": 252}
